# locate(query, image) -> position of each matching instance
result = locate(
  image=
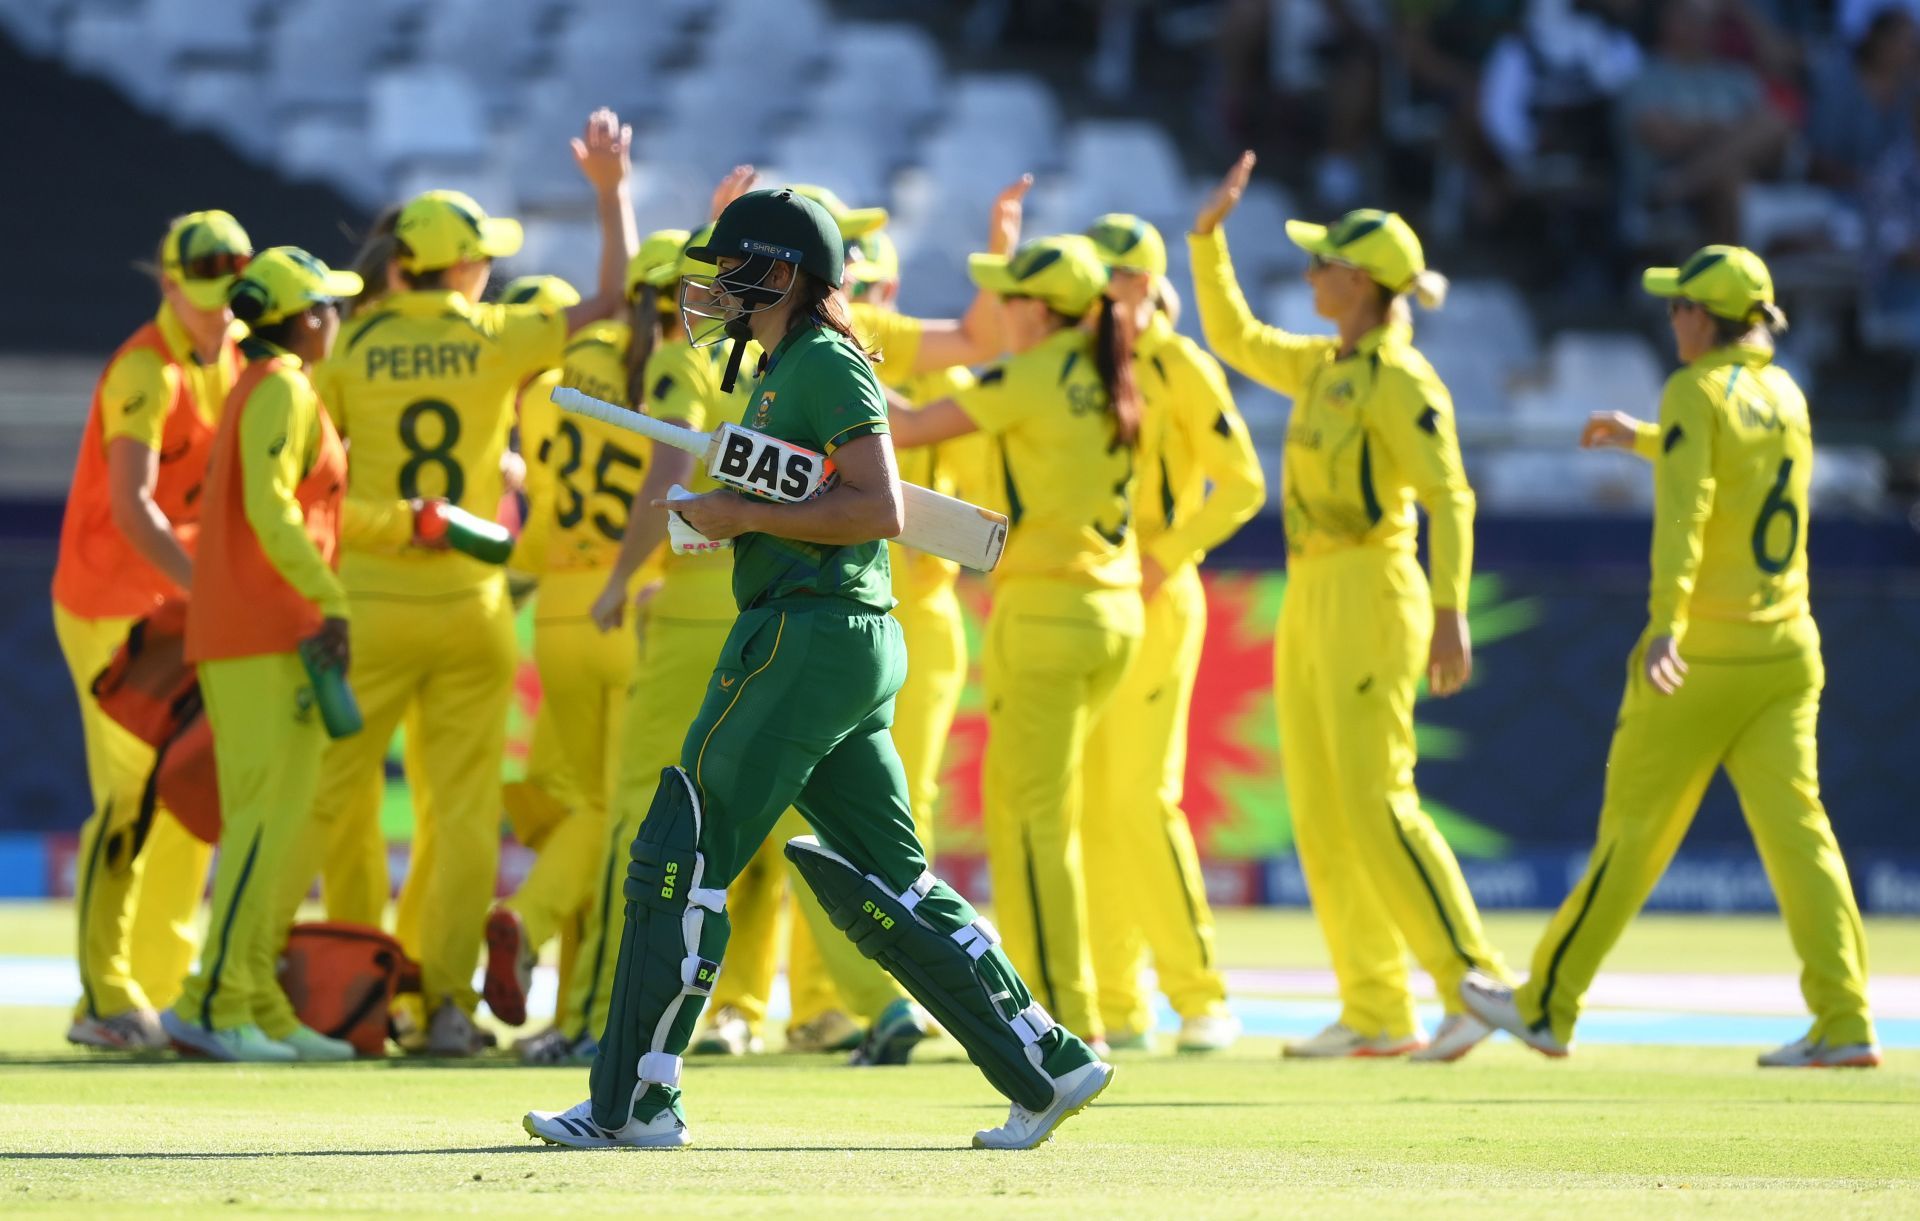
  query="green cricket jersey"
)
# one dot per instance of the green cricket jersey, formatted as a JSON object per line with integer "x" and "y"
{"x": 818, "y": 391}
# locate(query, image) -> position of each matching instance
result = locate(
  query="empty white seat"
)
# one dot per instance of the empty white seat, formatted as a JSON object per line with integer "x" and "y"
{"x": 1531, "y": 480}
{"x": 1849, "y": 477}
{"x": 669, "y": 196}
{"x": 34, "y": 24}
{"x": 1011, "y": 109}
{"x": 776, "y": 42}
{"x": 224, "y": 28}
{"x": 1256, "y": 232}
{"x": 831, "y": 157}
{"x": 431, "y": 112}
{"x": 1125, "y": 165}
{"x": 897, "y": 67}
{"x": 113, "y": 46}
{"x": 222, "y": 99}
{"x": 1590, "y": 371}
{"x": 331, "y": 148}
{"x": 492, "y": 42}
{"x": 320, "y": 52}
{"x": 536, "y": 151}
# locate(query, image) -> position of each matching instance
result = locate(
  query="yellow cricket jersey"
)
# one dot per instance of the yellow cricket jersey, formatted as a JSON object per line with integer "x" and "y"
{"x": 1068, "y": 479}
{"x": 422, "y": 387}
{"x": 1370, "y": 433}
{"x": 893, "y": 339}
{"x": 1192, "y": 437}
{"x": 682, "y": 383}
{"x": 955, "y": 467}
{"x": 582, "y": 475}
{"x": 139, "y": 376}
{"x": 1732, "y": 458}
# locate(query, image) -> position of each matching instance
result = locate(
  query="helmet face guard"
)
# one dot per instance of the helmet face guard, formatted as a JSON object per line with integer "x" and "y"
{"x": 717, "y": 307}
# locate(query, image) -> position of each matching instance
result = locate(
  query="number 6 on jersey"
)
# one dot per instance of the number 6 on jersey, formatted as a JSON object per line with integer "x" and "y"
{"x": 779, "y": 470}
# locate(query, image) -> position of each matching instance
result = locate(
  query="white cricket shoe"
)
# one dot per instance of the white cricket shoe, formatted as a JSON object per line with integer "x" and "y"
{"x": 727, "y": 1033}
{"x": 1026, "y": 1129}
{"x": 1808, "y": 1052}
{"x": 574, "y": 1128}
{"x": 1340, "y": 1042}
{"x": 1492, "y": 1002}
{"x": 134, "y": 1030}
{"x": 1458, "y": 1035}
{"x": 237, "y": 1044}
{"x": 452, "y": 1033}
{"x": 310, "y": 1044}
{"x": 1204, "y": 1032}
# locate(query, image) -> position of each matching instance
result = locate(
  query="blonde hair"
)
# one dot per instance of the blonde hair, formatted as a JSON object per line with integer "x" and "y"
{"x": 1166, "y": 299}
{"x": 1429, "y": 288}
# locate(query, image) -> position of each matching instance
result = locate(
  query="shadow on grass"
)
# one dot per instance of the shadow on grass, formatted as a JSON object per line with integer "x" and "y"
{"x": 527, "y": 1149}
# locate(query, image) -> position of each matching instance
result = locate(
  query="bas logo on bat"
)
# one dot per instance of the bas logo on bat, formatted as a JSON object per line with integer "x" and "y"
{"x": 765, "y": 464}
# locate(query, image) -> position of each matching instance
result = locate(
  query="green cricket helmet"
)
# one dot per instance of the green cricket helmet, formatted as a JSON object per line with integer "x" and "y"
{"x": 761, "y": 229}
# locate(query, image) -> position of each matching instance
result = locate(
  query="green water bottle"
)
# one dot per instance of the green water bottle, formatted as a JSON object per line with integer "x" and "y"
{"x": 339, "y": 711}
{"x": 486, "y": 541}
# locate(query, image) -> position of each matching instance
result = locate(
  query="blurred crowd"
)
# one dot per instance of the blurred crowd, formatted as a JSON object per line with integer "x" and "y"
{"x": 1597, "y": 131}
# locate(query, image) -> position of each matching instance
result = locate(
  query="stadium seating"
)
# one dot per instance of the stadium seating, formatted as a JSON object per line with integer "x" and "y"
{"x": 379, "y": 98}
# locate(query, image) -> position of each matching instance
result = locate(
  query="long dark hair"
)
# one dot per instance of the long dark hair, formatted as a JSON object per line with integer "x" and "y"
{"x": 821, "y": 303}
{"x": 370, "y": 261}
{"x": 643, "y": 325}
{"x": 1113, "y": 358}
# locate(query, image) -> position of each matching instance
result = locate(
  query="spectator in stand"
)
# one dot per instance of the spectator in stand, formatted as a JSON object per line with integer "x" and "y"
{"x": 1548, "y": 84}
{"x": 1697, "y": 127}
{"x": 1863, "y": 99}
{"x": 1892, "y": 256}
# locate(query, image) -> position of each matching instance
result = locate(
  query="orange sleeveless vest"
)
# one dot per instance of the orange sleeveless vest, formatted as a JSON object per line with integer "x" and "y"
{"x": 242, "y": 606}
{"x": 99, "y": 574}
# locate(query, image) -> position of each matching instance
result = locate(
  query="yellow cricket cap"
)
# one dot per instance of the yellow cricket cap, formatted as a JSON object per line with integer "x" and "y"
{"x": 283, "y": 281}
{"x": 1064, "y": 271}
{"x": 872, "y": 259}
{"x": 1126, "y": 241}
{"x": 1730, "y": 281}
{"x": 1381, "y": 244}
{"x": 441, "y": 228}
{"x": 547, "y": 292}
{"x": 853, "y": 222}
{"x": 202, "y": 252}
{"x": 657, "y": 262}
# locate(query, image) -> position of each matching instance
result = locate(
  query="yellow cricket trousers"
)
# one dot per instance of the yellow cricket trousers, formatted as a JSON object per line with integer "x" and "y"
{"x": 1750, "y": 704}
{"x": 267, "y": 741}
{"x": 1144, "y": 885}
{"x": 673, "y": 662}
{"x": 923, "y": 712}
{"x": 135, "y": 914}
{"x": 584, "y": 676}
{"x": 1349, "y": 655}
{"x": 454, "y": 655}
{"x": 1055, "y": 653}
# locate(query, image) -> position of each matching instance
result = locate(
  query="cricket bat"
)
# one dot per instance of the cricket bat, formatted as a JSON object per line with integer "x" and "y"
{"x": 780, "y": 470}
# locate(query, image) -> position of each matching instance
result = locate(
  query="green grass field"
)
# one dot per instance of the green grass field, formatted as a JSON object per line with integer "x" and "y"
{"x": 1656, "y": 1131}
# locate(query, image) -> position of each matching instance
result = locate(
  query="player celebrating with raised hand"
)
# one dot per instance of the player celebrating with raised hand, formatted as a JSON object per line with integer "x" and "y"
{"x": 797, "y": 713}
{"x": 422, "y": 387}
{"x": 1067, "y": 616}
{"x": 124, "y": 549}
{"x": 1198, "y": 481}
{"x": 1371, "y": 434}
{"x": 1732, "y": 456}
{"x": 267, "y": 610}
{"x": 582, "y": 478}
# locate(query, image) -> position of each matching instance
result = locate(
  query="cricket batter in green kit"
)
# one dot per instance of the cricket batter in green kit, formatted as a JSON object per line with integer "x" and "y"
{"x": 797, "y": 713}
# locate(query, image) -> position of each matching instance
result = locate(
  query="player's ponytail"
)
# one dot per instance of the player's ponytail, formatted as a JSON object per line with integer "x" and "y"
{"x": 1113, "y": 358}
{"x": 370, "y": 262}
{"x": 643, "y": 326}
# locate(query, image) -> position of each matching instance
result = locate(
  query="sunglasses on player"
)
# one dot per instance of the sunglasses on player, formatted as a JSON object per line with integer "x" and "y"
{"x": 214, "y": 266}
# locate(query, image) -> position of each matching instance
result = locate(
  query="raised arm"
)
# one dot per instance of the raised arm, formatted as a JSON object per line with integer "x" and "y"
{"x": 1264, "y": 353}
{"x": 602, "y": 154}
{"x": 976, "y": 336}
